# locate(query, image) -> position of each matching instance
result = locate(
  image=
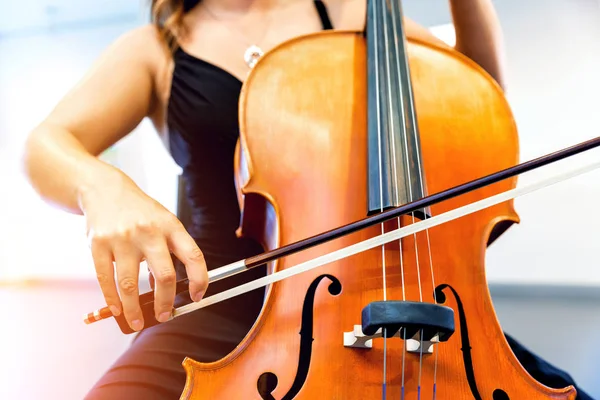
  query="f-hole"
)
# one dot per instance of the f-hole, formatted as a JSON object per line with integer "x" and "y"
{"x": 267, "y": 382}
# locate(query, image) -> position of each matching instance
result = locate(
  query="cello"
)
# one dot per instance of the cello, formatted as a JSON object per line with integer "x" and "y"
{"x": 333, "y": 128}
{"x": 336, "y": 126}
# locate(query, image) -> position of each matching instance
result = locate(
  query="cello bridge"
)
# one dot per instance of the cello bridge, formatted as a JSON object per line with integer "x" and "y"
{"x": 359, "y": 340}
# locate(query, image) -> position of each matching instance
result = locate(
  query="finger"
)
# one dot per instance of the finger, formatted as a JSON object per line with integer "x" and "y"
{"x": 160, "y": 263}
{"x": 105, "y": 273}
{"x": 128, "y": 265}
{"x": 188, "y": 252}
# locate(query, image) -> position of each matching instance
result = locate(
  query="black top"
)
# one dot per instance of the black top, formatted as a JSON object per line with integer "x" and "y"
{"x": 203, "y": 132}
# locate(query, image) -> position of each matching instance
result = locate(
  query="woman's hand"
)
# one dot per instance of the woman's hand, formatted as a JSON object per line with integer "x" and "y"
{"x": 125, "y": 226}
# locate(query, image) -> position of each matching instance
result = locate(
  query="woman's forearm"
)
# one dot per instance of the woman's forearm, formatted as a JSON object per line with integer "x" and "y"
{"x": 479, "y": 35}
{"x": 61, "y": 170}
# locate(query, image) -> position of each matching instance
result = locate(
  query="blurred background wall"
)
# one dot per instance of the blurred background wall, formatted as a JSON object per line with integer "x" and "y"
{"x": 544, "y": 273}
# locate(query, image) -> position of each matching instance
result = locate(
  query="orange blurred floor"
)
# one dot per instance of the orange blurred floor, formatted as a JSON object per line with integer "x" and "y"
{"x": 46, "y": 351}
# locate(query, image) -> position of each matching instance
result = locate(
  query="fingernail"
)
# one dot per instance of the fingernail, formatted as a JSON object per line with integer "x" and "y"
{"x": 164, "y": 317}
{"x": 137, "y": 325}
{"x": 115, "y": 311}
{"x": 198, "y": 296}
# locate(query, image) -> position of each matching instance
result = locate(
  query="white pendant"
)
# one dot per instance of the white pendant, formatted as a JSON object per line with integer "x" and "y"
{"x": 252, "y": 54}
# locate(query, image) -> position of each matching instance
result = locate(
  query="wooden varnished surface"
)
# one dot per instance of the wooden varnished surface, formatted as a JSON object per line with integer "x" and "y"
{"x": 303, "y": 145}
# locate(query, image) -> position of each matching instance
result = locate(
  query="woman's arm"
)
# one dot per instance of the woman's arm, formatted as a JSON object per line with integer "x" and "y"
{"x": 479, "y": 35}
{"x": 124, "y": 225}
{"x": 111, "y": 100}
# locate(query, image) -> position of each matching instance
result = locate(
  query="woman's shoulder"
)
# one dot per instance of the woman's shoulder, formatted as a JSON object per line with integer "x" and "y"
{"x": 146, "y": 46}
{"x": 145, "y": 43}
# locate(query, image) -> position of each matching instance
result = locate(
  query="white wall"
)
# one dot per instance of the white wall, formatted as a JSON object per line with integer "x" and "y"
{"x": 35, "y": 71}
{"x": 553, "y": 56}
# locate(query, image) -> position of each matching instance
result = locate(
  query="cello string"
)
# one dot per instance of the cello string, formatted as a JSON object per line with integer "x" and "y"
{"x": 397, "y": 15}
{"x": 434, "y": 347}
{"x": 431, "y": 268}
{"x": 394, "y": 151}
{"x": 392, "y": 134}
{"x": 394, "y": 159}
{"x": 379, "y": 133}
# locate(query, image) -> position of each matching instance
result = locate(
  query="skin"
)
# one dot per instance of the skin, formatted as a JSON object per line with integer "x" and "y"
{"x": 131, "y": 81}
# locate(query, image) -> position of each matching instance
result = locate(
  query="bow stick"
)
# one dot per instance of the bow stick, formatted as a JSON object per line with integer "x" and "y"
{"x": 252, "y": 262}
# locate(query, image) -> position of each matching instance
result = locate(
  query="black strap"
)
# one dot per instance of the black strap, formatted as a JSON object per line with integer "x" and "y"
{"x": 189, "y": 4}
{"x": 323, "y": 14}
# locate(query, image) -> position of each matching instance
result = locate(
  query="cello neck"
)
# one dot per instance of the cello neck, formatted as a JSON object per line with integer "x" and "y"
{"x": 395, "y": 173}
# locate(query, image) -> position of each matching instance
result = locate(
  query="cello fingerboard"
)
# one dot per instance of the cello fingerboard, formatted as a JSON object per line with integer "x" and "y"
{"x": 395, "y": 172}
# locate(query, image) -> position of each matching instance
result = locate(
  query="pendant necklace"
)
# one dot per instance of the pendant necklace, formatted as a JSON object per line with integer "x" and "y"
{"x": 253, "y": 52}
{"x": 252, "y": 55}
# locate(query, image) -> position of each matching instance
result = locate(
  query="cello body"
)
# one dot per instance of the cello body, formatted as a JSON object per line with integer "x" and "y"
{"x": 301, "y": 170}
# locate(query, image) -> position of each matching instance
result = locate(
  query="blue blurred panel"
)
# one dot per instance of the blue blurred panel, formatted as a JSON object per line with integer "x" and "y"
{"x": 30, "y": 16}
